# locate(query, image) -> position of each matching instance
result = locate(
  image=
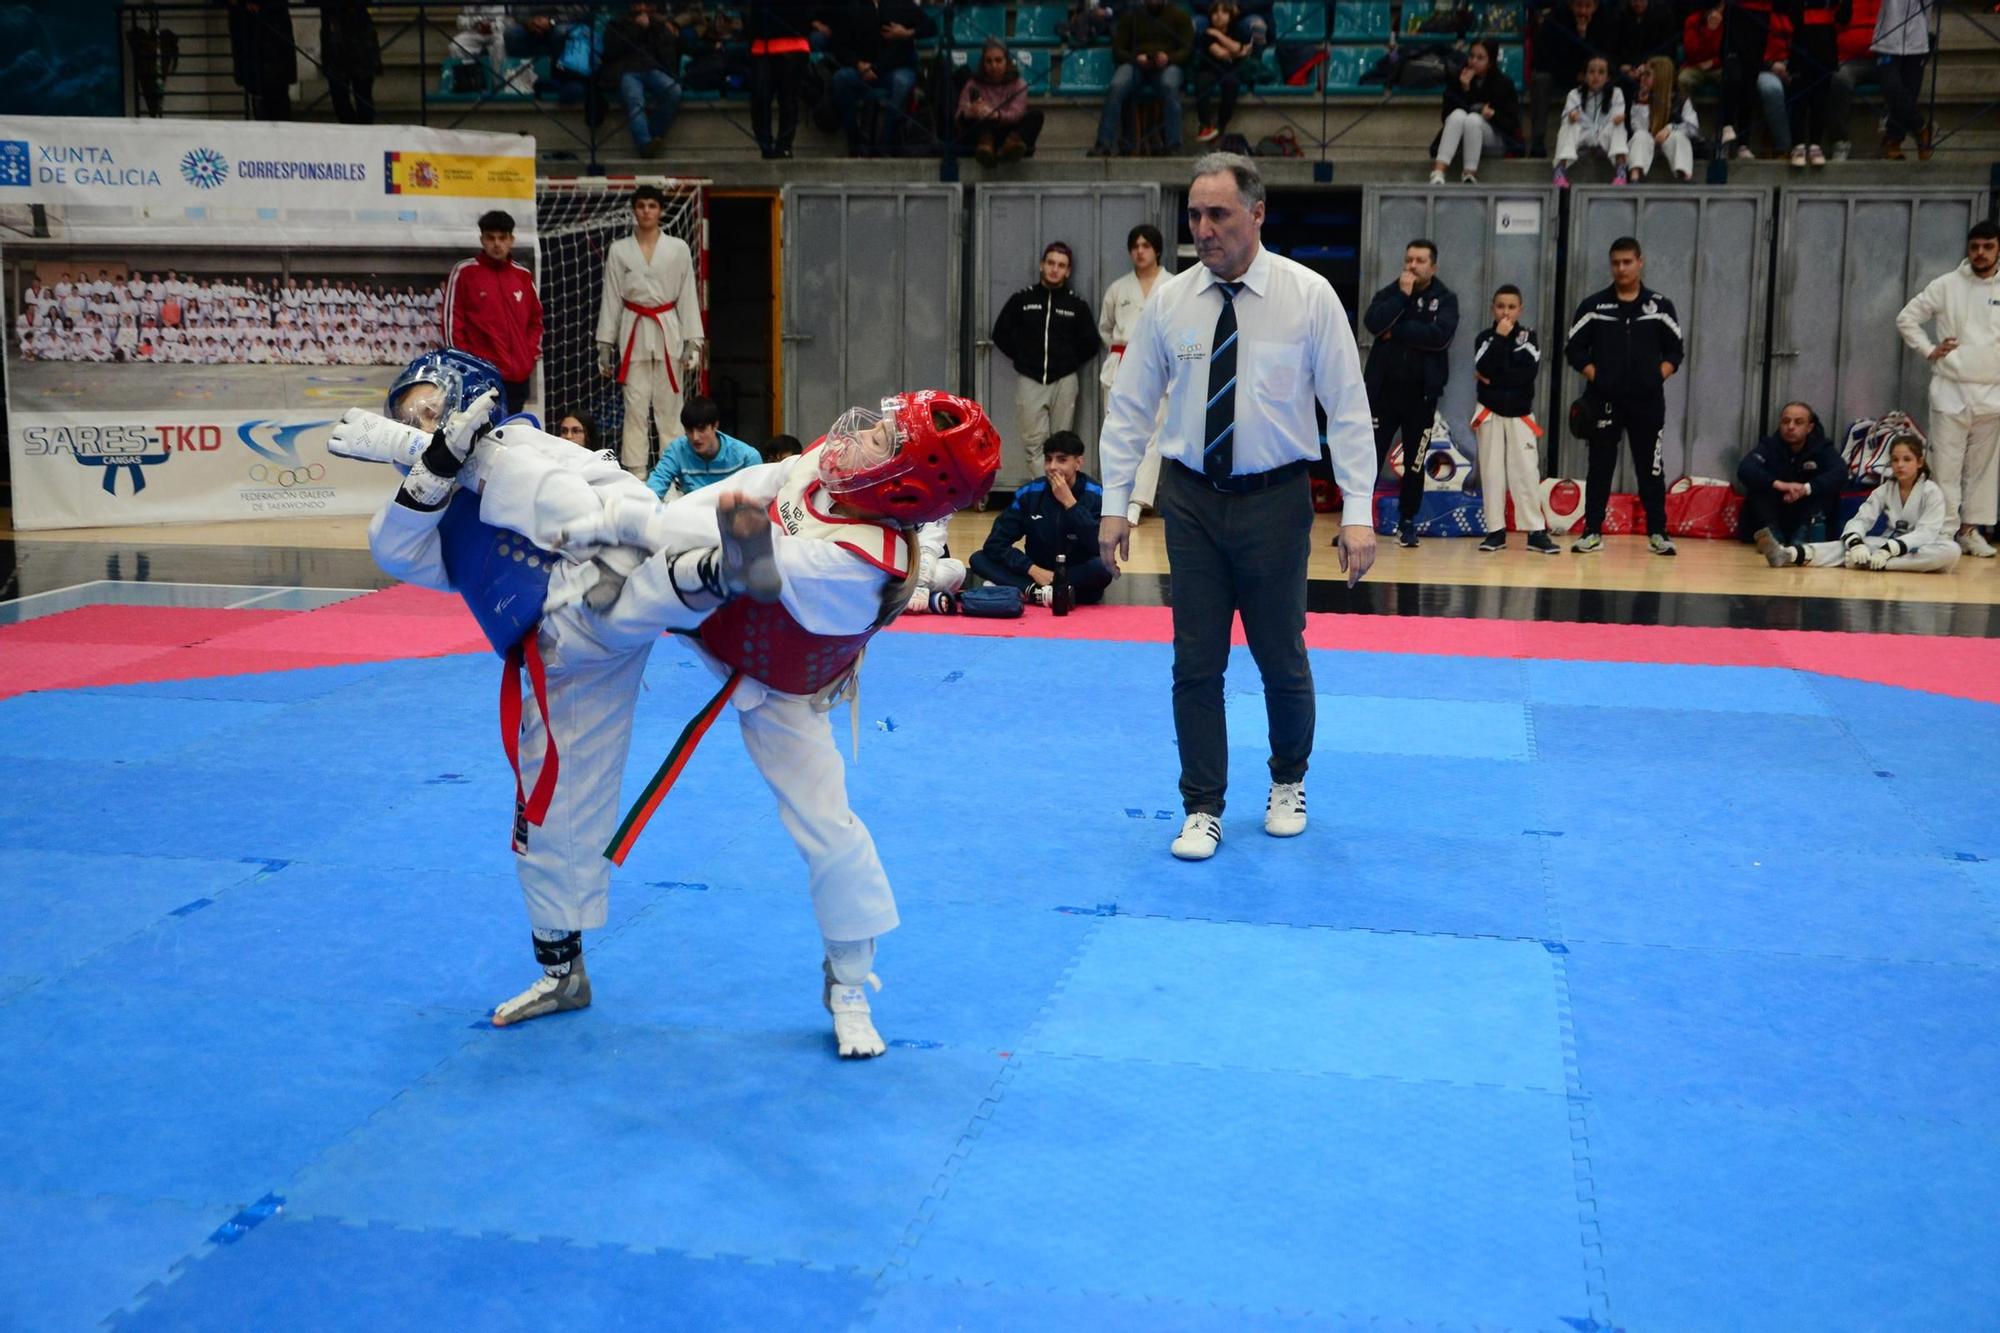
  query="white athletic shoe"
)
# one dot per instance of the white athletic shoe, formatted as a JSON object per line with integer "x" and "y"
{"x": 549, "y": 995}
{"x": 1972, "y": 543}
{"x": 1200, "y": 836}
{"x": 853, "y": 1029}
{"x": 1285, "y": 811}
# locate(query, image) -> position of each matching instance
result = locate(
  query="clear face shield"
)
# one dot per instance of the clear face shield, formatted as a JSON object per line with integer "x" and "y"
{"x": 421, "y": 405}
{"x": 859, "y": 442}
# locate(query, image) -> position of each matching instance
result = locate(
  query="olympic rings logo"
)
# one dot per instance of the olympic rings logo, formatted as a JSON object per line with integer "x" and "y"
{"x": 288, "y": 477}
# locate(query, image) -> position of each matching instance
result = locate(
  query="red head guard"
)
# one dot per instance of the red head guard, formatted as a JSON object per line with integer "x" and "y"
{"x": 944, "y": 456}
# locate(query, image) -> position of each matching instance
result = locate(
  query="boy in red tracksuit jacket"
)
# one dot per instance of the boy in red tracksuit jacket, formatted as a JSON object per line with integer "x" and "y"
{"x": 491, "y": 310}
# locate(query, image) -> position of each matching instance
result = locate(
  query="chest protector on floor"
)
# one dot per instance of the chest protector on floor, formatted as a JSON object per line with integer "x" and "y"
{"x": 764, "y": 641}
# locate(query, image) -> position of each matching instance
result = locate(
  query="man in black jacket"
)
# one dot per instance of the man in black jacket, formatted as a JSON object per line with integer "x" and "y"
{"x": 642, "y": 55}
{"x": 875, "y": 42}
{"x": 1792, "y": 478}
{"x": 1412, "y": 321}
{"x": 1048, "y": 333}
{"x": 1054, "y": 515}
{"x": 1626, "y": 341}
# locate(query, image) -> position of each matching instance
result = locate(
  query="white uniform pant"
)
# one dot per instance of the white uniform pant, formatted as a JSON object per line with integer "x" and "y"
{"x": 1570, "y": 140}
{"x": 1677, "y": 150}
{"x": 1964, "y": 459}
{"x": 1932, "y": 557}
{"x": 648, "y": 391}
{"x": 1472, "y": 132}
{"x": 491, "y": 47}
{"x": 1043, "y": 409}
{"x": 1510, "y": 463}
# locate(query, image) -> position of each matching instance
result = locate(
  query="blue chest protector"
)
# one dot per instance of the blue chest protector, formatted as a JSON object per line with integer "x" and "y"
{"x": 503, "y": 577}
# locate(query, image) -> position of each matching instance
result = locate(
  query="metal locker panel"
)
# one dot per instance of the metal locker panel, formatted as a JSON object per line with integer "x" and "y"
{"x": 1484, "y": 238}
{"x": 871, "y": 299}
{"x": 1708, "y": 254}
{"x": 1850, "y": 260}
{"x": 1011, "y": 226}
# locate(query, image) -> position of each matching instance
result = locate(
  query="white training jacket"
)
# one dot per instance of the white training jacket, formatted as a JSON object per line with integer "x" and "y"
{"x": 1968, "y": 309}
{"x": 1922, "y": 520}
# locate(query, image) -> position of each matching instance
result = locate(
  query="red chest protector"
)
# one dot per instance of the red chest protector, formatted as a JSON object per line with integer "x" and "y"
{"x": 763, "y": 641}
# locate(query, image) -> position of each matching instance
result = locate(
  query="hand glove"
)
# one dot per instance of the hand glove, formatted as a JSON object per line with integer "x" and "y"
{"x": 1879, "y": 558}
{"x": 1857, "y": 555}
{"x": 607, "y": 359}
{"x": 462, "y": 429}
{"x": 691, "y": 356}
{"x": 373, "y": 438}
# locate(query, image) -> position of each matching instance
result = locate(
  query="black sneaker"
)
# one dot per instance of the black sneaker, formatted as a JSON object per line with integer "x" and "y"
{"x": 1406, "y": 534}
{"x": 1495, "y": 541}
{"x": 1542, "y": 542}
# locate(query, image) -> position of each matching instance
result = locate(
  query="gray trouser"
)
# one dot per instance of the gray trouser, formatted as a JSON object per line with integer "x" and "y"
{"x": 1044, "y": 409}
{"x": 1234, "y": 554}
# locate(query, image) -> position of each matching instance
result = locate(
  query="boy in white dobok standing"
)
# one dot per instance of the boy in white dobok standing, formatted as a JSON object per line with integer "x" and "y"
{"x": 649, "y": 330}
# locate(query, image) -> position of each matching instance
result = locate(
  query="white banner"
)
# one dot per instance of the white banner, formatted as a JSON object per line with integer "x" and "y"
{"x": 101, "y": 469}
{"x": 216, "y": 182}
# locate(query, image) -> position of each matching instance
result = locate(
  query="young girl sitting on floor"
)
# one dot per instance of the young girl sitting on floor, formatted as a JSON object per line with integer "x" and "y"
{"x": 1918, "y": 539}
{"x": 1593, "y": 117}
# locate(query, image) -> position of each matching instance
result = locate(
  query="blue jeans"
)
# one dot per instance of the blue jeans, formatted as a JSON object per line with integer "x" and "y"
{"x": 1777, "y": 119}
{"x": 1123, "y": 84}
{"x": 636, "y": 89}
{"x": 892, "y": 88}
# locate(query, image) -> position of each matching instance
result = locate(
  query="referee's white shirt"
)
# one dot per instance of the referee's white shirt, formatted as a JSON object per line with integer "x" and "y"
{"x": 1293, "y": 345}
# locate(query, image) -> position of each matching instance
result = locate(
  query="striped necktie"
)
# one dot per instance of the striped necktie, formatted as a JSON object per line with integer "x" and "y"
{"x": 1218, "y": 454}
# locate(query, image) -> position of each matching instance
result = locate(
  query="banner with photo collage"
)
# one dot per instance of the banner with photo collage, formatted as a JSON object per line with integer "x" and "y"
{"x": 191, "y": 305}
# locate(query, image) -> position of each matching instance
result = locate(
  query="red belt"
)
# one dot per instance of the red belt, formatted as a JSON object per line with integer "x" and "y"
{"x": 529, "y": 809}
{"x": 1117, "y": 349}
{"x": 652, "y": 312}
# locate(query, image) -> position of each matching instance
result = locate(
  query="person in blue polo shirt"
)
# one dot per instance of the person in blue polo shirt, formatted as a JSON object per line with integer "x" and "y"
{"x": 701, "y": 457}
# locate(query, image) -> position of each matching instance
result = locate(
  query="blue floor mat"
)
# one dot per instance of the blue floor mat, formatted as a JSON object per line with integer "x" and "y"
{"x": 1595, "y": 995}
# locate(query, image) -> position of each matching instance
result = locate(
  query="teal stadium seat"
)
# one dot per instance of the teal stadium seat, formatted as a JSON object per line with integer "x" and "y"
{"x": 975, "y": 23}
{"x": 1299, "y": 21}
{"x": 1036, "y": 25}
{"x": 1271, "y": 83}
{"x": 1346, "y": 64}
{"x": 1037, "y": 67}
{"x": 1087, "y": 72}
{"x": 1361, "y": 21}
{"x": 1513, "y": 62}
{"x": 523, "y": 90}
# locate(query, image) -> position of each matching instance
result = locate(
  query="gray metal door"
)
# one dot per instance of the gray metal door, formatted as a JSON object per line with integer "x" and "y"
{"x": 1011, "y": 225}
{"x": 871, "y": 296}
{"x": 1848, "y": 261}
{"x": 1485, "y": 238}
{"x": 1708, "y": 253}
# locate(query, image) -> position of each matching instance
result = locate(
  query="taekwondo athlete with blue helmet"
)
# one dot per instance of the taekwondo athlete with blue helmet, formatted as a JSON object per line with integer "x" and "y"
{"x": 779, "y": 578}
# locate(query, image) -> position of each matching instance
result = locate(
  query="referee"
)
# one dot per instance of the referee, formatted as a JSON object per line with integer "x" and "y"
{"x": 1239, "y": 348}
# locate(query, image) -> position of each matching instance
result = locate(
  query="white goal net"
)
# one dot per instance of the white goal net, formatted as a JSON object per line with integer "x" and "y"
{"x": 576, "y": 220}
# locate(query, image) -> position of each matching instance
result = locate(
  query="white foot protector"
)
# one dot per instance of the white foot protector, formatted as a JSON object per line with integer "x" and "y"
{"x": 549, "y": 995}
{"x": 853, "y": 1029}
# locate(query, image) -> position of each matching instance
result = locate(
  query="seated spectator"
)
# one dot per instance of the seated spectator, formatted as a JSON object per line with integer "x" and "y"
{"x": 641, "y": 56}
{"x": 995, "y": 122}
{"x": 1917, "y": 539}
{"x": 1089, "y": 24}
{"x": 939, "y": 577}
{"x": 1773, "y": 90}
{"x": 1055, "y": 515}
{"x": 1792, "y": 479}
{"x": 1481, "y": 114}
{"x": 579, "y": 427}
{"x": 701, "y": 457}
{"x": 481, "y": 39}
{"x": 1653, "y": 131}
{"x": 1647, "y": 36}
{"x": 1151, "y": 44}
{"x": 1223, "y": 67}
{"x": 780, "y": 447}
{"x": 542, "y": 31}
{"x": 1855, "y": 63}
{"x": 1565, "y": 42}
{"x": 875, "y": 43}
{"x": 1593, "y": 119}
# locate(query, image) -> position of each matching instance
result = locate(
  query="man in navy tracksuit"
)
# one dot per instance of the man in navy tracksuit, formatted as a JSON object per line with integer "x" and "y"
{"x": 1412, "y": 321}
{"x": 1626, "y": 341}
{"x": 1792, "y": 478}
{"x": 1055, "y": 515}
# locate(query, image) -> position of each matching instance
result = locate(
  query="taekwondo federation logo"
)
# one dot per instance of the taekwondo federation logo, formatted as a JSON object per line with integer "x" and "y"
{"x": 14, "y": 169}
{"x": 204, "y": 168}
{"x": 278, "y": 442}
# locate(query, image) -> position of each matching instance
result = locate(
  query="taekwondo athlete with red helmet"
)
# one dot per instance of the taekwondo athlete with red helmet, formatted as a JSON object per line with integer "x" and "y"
{"x": 779, "y": 578}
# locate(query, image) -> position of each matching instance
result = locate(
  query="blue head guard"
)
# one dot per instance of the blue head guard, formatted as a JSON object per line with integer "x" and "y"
{"x": 459, "y": 376}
